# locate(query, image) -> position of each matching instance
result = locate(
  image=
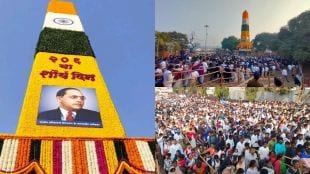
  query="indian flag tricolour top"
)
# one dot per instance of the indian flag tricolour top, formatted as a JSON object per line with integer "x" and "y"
{"x": 64, "y": 58}
{"x": 62, "y": 15}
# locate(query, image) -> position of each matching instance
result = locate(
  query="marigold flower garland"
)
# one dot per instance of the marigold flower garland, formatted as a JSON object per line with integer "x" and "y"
{"x": 110, "y": 155}
{"x": 76, "y": 163}
{"x": 83, "y": 157}
{"x": 22, "y": 153}
{"x": 79, "y": 156}
{"x": 46, "y": 156}
{"x": 134, "y": 156}
{"x": 146, "y": 155}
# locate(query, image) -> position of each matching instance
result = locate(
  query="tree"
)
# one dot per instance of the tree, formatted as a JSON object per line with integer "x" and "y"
{"x": 221, "y": 92}
{"x": 170, "y": 41}
{"x": 265, "y": 41}
{"x": 292, "y": 41}
{"x": 230, "y": 43}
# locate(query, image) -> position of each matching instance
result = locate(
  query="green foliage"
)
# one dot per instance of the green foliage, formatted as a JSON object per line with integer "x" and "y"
{"x": 221, "y": 92}
{"x": 64, "y": 42}
{"x": 230, "y": 43}
{"x": 265, "y": 41}
{"x": 173, "y": 41}
{"x": 251, "y": 93}
{"x": 292, "y": 41}
{"x": 179, "y": 90}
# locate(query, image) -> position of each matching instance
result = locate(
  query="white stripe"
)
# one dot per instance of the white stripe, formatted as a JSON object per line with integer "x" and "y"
{"x": 63, "y": 21}
{"x": 66, "y": 157}
{"x": 8, "y": 155}
{"x": 4, "y": 154}
{"x": 245, "y": 21}
{"x": 92, "y": 161}
{"x": 14, "y": 154}
{"x": 70, "y": 156}
{"x": 146, "y": 155}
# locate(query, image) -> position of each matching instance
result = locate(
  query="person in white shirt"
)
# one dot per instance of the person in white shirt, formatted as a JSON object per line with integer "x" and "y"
{"x": 178, "y": 136}
{"x": 254, "y": 139}
{"x": 240, "y": 146}
{"x": 249, "y": 157}
{"x": 174, "y": 147}
{"x": 284, "y": 74}
{"x": 263, "y": 152}
{"x": 252, "y": 168}
{"x": 205, "y": 66}
{"x": 300, "y": 140}
{"x": 230, "y": 141}
{"x": 167, "y": 78}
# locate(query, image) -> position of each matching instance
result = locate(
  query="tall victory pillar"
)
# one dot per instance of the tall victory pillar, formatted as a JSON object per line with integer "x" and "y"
{"x": 245, "y": 43}
{"x": 68, "y": 123}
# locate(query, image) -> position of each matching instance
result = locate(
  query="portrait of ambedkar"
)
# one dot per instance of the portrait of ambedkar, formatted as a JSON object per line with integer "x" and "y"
{"x": 70, "y": 110}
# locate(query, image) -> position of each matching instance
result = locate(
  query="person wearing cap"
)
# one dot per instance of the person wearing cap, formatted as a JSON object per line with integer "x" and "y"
{"x": 254, "y": 82}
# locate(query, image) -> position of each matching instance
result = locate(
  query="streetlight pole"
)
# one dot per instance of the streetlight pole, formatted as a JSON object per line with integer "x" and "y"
{"x": 206, "y": 26}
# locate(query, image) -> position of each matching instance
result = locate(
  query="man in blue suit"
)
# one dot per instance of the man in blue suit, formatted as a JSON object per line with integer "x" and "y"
{"x": 71, "y": 102}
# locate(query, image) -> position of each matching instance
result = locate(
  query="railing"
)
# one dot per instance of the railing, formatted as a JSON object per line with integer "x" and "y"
{"x": 208, "y": 80}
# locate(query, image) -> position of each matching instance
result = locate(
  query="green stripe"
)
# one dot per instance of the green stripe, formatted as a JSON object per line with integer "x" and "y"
{"x": 64, "y": 42}
{"x": 245, "y": 27}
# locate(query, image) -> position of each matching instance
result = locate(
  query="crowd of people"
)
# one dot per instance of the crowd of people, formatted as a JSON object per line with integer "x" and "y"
{"x": 199, "y": 134}
{"x": 191, "y": 69}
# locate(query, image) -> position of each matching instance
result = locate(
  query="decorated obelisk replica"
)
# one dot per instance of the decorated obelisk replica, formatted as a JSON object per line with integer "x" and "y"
{"x": 245, "y": 43}
{"x": 68, "y": 122}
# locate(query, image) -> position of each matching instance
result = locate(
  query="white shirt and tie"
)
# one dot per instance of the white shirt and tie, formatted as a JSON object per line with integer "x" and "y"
{"x": 64, "y": 114}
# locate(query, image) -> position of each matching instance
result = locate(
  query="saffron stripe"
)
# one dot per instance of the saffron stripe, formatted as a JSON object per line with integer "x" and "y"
{"x": 102, "y": 161}
{"x": 57, "y": 156}
{"x": 61, "y": 7}
{"x": 84, "y": 165}
{"x": 76, "y": 161}
{"x": 133, "y": 154}
{"x": 23, "y": 152}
